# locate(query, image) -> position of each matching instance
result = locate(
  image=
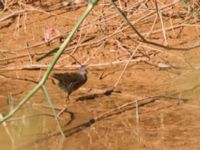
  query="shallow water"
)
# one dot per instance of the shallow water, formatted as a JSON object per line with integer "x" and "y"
{"x": 23, "y": 130}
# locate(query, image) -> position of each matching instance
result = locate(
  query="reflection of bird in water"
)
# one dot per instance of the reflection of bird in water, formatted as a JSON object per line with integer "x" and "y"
{"x": 70, "y": 82}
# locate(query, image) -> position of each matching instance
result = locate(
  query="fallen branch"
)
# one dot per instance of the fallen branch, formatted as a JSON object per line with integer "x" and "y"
{"x": 62, "y": 67}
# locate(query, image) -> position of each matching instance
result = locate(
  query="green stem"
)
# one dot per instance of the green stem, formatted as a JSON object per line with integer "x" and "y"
{"x": 53, "y": 109}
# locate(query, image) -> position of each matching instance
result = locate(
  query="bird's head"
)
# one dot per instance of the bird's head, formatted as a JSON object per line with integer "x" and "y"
{"x": 83, "y": 70}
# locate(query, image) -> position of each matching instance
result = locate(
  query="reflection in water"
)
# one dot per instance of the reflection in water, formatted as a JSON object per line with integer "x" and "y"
{"x": 22, "y": 131}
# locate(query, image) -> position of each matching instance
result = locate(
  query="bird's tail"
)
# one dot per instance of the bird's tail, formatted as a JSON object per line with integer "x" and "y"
{"x": 56, "y": 76}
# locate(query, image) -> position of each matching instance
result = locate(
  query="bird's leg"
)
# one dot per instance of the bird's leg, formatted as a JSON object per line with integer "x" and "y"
{"x": 65, "y": 106}
{"x": 67, "y": 100}
{"x": 67, "y": 97}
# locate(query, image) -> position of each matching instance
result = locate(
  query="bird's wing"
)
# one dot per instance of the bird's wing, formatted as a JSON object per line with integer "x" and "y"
{"x": 66, "y": 78}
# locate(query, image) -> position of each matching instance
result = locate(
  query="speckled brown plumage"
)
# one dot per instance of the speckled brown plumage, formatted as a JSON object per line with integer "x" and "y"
{"x": 70, "y": 82}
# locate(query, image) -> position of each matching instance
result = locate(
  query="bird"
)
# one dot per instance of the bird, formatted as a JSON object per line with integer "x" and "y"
{"x": 70, "y": 82}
